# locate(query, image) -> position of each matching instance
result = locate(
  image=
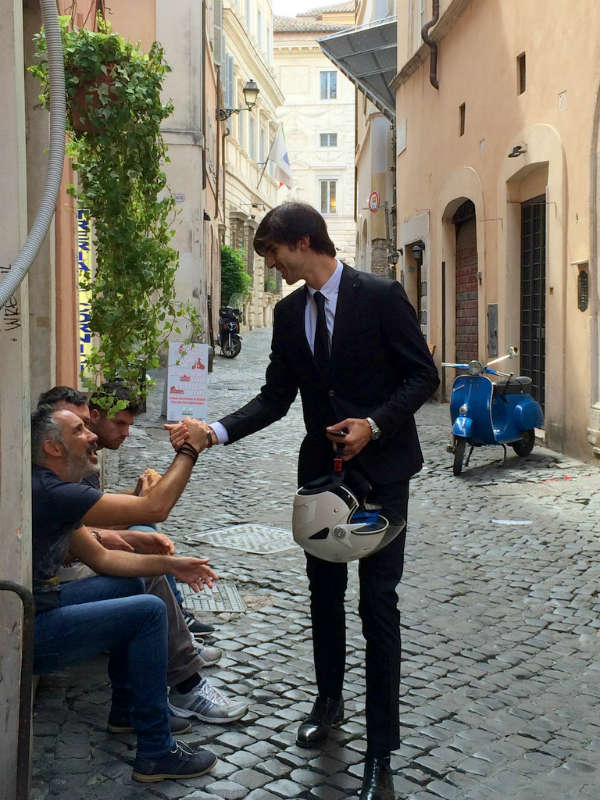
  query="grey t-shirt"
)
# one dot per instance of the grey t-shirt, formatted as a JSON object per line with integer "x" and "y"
{"x": 57, "y": 510}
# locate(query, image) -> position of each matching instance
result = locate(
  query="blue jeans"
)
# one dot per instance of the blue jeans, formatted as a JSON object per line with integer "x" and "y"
{"x": 170, "y": 578}
{"x": 102, "y": 613}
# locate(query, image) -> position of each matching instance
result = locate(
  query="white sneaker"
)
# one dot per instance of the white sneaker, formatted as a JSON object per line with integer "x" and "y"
{"x": 207, "y": 703}
{"x": 208, "y": 655}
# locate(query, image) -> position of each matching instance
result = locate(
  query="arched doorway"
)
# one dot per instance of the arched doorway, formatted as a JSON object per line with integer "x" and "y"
{"x": 466, "y": 293}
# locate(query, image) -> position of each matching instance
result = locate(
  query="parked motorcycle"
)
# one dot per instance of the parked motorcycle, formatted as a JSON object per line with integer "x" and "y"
{"x": 230, "y": 340}
{"x": 491, "y": 412}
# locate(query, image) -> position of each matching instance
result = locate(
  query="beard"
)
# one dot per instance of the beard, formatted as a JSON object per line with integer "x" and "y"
{"x": 79, "y": 466}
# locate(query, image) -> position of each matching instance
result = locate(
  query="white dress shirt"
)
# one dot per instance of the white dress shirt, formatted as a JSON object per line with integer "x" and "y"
{"x": 330, "y": 291}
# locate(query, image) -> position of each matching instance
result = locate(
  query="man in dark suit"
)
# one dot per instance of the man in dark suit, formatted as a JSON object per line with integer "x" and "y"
{"x": 351, "y": 344}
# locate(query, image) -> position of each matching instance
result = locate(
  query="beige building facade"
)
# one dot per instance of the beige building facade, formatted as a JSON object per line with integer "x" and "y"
{"x": 497, "y": 183}
{"x": 318, "y": 120}
{"x": 246, "y": 139}
{"x": 187, "y": 31}
{"x": 29, "y": 358}
{"x": 366, "y": 54}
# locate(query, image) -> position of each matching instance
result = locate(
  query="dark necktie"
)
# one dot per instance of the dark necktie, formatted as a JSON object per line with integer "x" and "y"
{"x": 321, "y": 335}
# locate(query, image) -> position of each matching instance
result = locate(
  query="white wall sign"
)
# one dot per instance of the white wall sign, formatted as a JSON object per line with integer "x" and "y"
{"x": 187, "y": 381}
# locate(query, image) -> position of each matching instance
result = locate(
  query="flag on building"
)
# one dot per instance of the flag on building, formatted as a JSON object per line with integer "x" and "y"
{"x": 280, "y": 160}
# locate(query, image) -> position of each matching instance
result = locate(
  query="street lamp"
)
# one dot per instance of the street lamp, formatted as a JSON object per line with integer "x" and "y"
{"x": 518, "y": 150}
{"x": 251, "y": 92}
{"x": 393, "y": 258}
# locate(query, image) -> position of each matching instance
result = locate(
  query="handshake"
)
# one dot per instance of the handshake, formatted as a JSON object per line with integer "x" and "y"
{"x": 192, "y": 431}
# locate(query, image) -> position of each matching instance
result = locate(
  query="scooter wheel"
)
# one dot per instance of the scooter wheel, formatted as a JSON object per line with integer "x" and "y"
{"x": 525, "y": 444}
{"x": 460, "y": 446}
{"x": 230, "y": 350}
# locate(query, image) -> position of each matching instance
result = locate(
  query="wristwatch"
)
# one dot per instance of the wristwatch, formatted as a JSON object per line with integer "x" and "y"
{"x": 375, "y": 429}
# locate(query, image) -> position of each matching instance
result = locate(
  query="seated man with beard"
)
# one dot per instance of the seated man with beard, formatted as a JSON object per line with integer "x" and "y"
{"x": 81, "y": 619}
{"x": 191, "y": 695}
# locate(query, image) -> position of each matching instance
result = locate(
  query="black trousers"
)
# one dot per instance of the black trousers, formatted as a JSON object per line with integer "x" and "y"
{"x": 379, "y": 576}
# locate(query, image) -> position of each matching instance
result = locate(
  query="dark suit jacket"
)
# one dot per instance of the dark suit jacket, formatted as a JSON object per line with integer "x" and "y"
{"x": 380, "y": 368}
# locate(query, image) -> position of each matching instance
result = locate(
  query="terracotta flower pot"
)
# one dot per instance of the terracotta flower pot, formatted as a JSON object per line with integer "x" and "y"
{"x": 87, "y": 100}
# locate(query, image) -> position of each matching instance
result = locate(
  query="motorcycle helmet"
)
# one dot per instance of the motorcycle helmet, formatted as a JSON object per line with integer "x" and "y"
{"x": 329, "y": 522}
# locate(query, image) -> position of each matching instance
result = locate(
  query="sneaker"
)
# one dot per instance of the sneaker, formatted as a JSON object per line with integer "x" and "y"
{"x": 207, "y": 703}
{"x": 195, "y": 626}
{"x": 119, "y": 721}
{"x": 208, "y": 655}
{"x": 180, "y": 762}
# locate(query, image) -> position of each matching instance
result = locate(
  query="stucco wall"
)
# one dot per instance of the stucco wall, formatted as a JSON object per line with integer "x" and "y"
{"x": 553, "y": 121}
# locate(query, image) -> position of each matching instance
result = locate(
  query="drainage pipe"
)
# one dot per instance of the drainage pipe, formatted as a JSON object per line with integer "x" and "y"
{"x": 433, "y": 79}
{"x": 37, "y": 234}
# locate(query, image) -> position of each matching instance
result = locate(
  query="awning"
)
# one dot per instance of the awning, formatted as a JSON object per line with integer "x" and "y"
{"x": 367, "y": 56}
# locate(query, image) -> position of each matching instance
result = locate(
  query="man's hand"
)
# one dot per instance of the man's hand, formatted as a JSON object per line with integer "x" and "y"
{"x": 178, "y": 434}
{"x": 148, "y": 481}
{"x": 358, "y": 436}
{"x": 194, "y": 572}
{"x": 194, "y": 431}
{"x": 149, "y": 542}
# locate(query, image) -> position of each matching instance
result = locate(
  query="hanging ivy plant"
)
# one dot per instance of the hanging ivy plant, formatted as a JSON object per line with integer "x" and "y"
{"x": 114, "y": 113}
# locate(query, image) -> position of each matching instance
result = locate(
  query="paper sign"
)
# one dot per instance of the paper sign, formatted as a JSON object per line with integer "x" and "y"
{"x": 187, "y": 381}
{"x": 84, "y": 265}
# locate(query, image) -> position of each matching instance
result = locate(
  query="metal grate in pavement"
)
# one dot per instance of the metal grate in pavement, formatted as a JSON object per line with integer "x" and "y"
{"x": 252, "y": 538}
{"x": 224, "y": 598}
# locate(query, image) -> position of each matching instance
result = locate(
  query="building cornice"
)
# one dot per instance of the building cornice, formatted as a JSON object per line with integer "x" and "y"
{"x": 446, "y": 22}
{"x": 299, "y": 46}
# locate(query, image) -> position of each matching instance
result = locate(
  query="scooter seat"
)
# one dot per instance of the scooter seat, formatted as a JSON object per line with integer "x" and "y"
{"x": 517, "y": 384}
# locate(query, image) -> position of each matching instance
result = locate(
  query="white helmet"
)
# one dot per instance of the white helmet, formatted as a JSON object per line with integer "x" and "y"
{"x": 329, "y": 522}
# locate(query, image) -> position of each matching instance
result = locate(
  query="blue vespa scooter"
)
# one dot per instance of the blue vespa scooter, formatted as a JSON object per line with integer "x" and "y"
{"x": 491, "y": 412}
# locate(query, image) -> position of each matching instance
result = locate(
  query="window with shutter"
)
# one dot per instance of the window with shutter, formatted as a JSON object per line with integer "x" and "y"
{"x": 252, "y": 138}
{"x": 218, "y": 33}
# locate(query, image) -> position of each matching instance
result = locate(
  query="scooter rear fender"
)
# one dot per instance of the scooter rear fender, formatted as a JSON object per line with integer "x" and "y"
{"x": 528, "y": 414}
{"x": 462, "y": 427}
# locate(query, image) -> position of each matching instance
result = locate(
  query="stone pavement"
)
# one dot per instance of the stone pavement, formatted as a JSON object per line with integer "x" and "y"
{"x": 501, "y": 629}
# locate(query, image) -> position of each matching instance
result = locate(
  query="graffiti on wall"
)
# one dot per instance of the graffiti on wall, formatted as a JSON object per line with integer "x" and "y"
{"x": 10, "y": 315}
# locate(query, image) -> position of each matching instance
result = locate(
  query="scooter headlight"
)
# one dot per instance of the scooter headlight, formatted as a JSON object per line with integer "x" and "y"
{"x": 463, "y": 410}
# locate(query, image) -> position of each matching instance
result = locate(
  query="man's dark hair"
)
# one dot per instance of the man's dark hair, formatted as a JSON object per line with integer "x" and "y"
{"x": 288, "y": 223}
{"x": 106, "y": 397}
{"x": 62, "y": 394}
{"x": 43, "y": 427}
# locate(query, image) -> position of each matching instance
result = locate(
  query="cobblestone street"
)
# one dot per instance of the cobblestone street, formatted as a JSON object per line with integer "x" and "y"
{"x": 501, "y": 628}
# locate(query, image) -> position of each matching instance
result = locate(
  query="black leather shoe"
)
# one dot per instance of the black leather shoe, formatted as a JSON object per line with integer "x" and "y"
{"x": 324, "y": 715}
{"x": 377, "y": 783}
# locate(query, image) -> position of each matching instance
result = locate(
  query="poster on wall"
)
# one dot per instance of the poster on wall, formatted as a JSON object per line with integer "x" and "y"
{"x": 187, "y": 381}
{"x": 84, "y": 268}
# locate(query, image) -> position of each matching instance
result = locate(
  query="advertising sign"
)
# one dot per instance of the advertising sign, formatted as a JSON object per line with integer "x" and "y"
{"x": 84, "y": 267}
{"x": 187, "y": 381}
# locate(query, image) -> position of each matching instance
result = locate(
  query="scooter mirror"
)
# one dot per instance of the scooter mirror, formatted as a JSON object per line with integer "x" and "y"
{"x": 513, "y": 351}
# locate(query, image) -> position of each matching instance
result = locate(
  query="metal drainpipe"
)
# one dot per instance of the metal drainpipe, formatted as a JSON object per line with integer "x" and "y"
{"x": 56, "y": 160}
{"x": 433, "y": 79}
{"x": 24, "y": 736}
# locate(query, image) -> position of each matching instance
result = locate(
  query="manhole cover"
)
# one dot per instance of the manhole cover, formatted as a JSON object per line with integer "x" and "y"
{"x": 250, "y": 537}
{"x": 225, "y": 597}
